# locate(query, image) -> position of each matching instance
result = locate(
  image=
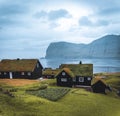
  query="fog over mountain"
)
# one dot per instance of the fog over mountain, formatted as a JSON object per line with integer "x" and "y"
{"x": 105, "y": 47}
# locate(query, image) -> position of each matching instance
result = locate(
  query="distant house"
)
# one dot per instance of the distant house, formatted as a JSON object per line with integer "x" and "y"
{"x": 75, "y": 75}
{"x": 20, "y": 68}
{"x": 49, "y": 73}
{"x": 99, "y": 85}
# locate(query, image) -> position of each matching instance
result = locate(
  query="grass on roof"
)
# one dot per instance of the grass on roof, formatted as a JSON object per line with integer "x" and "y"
{"x": 18, "y": 65}
{"x": 80, "y": 69}
{"x": 50, "y": 71}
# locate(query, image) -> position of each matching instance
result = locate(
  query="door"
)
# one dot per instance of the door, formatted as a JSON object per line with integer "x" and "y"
{"x": 11, "y": 76}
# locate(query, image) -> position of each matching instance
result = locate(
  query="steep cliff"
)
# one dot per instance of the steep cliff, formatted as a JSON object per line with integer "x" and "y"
{"x": 105, "y": 47}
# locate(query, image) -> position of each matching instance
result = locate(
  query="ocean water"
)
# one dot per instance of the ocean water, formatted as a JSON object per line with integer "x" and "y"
{"x": 99, "y": 65}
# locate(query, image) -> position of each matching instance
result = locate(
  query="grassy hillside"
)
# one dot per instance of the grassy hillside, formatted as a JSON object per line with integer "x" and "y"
{"x": 77, "y": 102}
{"x": 112, "y": 79}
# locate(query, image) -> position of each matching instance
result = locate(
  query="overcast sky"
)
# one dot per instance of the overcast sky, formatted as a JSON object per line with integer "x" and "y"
{"x": 27, "y": 27}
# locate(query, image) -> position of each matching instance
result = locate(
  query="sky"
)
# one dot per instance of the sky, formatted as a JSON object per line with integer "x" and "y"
{"x": 27, "y": 27}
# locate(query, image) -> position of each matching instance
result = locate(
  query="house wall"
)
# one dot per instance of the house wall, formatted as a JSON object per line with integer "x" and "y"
{"x": 19, "y": 75}
{"x": 86, "y": 82}
{"x": 37, "y": 73}
{"x": 48, "y": 76}
{"x": 99, "y": 87}
{"x": 4, "y": 75}
{"x": 15, "y": 75}
{"x": 69, "y": 82}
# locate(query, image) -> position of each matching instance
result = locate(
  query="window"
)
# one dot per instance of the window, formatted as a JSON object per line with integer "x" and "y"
{"x": 63, "y": 73}
{"x": 88, "y": 78}
{"x": 5, "y": 73}
{"x": 29, "y": 73}
{"x": 63, "y": 79}
{"x": 22, "y": 73}
{"x": 74, "y": 79}
{"x": 81, "y": 79}
{"x": 37, "y": 65}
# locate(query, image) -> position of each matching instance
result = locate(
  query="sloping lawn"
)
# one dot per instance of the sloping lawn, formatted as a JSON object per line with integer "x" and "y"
{"x": 77, "y": 102}
{"x": 113, "y": 81}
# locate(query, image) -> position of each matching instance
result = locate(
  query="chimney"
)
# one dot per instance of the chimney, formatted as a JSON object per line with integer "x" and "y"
{"x": 18, "y": 58}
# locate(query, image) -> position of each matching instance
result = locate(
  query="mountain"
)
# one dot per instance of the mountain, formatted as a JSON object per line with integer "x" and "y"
{"x": 105, "y": 47}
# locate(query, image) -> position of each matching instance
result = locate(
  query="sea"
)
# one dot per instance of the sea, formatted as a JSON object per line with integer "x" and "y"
{"x": 100, "y": 65}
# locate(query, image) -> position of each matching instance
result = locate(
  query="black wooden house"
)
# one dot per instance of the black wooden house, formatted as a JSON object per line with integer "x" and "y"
{"x": 20, "y": 68}
{"x": 75, "y": 75}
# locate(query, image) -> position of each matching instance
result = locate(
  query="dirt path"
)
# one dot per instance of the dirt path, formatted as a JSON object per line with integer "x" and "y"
{"x": 18, "y": 82}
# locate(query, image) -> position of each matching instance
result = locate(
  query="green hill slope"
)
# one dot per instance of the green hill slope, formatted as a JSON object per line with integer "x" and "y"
{"x": 77, "y": 102}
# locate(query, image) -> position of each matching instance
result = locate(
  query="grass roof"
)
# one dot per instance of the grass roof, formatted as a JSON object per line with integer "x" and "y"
{"x": 79, "y": 69}
{"x": 96, "y": 79}
{"x": 18, "y": 65}
{"x": 50, "y": 71}
{"x": 68, "y": 71}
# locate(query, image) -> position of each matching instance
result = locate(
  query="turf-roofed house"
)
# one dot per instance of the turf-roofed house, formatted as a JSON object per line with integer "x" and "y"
{"x": 20, "y": 68}
{"x": 99, "y": 86}
{"x": 77, "y": 75}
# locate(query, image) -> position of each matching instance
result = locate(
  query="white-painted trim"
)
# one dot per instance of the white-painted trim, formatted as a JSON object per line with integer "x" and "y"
{"x": 10, "y": 74}
{"x": 81, "y": 79}
{"x": 63, "y": 79}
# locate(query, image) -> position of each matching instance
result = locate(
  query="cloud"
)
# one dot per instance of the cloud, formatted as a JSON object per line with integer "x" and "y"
{"x": 10, "y": 12}
{"x": 99, "y": 4}
{"x": 109, "y": 11}
{"x": 5, "y": 21}
{"x": 102, "y": 23}
{"x": 11, "y": 9}
{"x": 85, "y": 21}
{"x": 57, "y": 14}
{"x": 53, "y": 17}
{"x": 53, "y": 14}
{"x": 41, "y": 14}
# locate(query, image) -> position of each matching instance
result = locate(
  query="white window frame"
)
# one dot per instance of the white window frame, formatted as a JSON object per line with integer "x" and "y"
{"x": 89, "y": 79}
{"x": 81, "y": 79}
{"x": 63, "y": 74}
{"x": 63, "y": 79}
{"x": 22, "y": 73}
{"x": 29, "y": 73}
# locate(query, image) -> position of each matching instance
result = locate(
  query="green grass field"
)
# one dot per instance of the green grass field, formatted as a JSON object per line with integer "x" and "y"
{"x": 52, "y": 94}
{"x": 113, "y": 80}
{"x": 75, "y": 102}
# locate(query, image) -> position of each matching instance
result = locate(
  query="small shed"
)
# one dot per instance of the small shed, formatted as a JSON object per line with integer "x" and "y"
{"x": 99, "y": 85}
{"x": 20, "y": 68}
